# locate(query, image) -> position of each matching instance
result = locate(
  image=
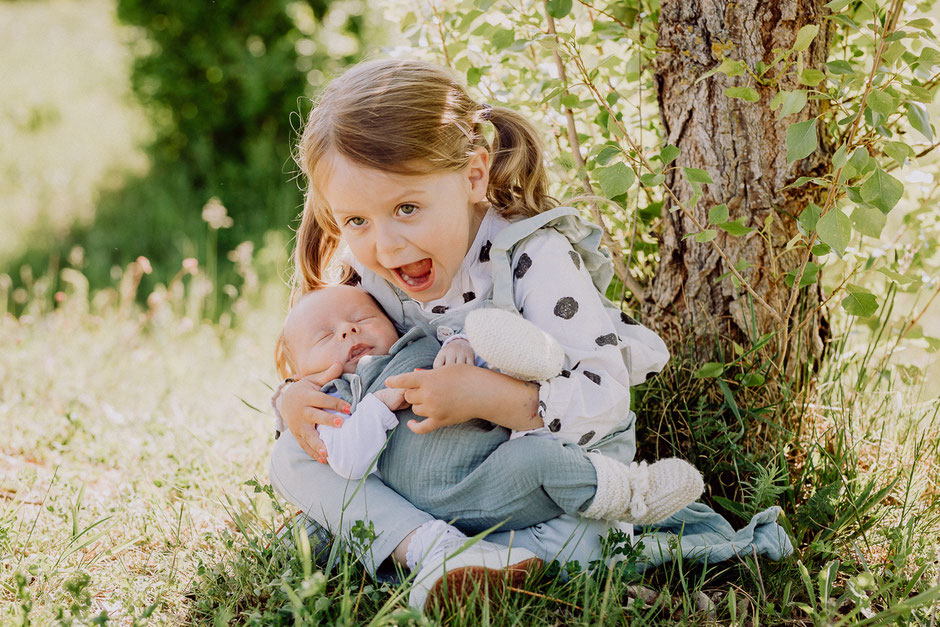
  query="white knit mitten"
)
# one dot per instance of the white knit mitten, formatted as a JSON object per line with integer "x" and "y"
{"x": 514, "y": 345}
{"x": 642, "y": 494}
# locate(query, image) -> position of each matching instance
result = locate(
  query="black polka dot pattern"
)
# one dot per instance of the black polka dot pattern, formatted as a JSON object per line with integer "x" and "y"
{"x": 575, "y": 258}
{"x": 596, "y": 378}
{"x": 555, "y": 425}
{"x": 627, "y": 319}
{"x": 566, "y": 307}
{"x": 485, "y": 251}
{"x": 522, "y": 266}
{"x": 542, "y": 409}
{"x": 586, "y": 438}
{"x": 439, "y": 309}
{"x": 566, "y": 373}
{"x": 609, "y": 339}
{"x": 468, "y": 296}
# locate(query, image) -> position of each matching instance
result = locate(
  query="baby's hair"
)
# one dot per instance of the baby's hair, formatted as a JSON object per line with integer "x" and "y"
{"x": 406, "y": 116}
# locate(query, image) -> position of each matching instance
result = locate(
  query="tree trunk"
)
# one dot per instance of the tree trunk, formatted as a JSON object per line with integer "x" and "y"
{"x": 742, "y": 145}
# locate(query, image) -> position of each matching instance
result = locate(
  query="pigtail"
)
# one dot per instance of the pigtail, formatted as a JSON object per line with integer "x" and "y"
{"x": 518, "y": 182}
{"x": 282, "y": 358}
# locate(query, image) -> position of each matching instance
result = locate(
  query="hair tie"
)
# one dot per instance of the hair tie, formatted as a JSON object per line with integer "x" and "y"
{"x": 486, "y": 112}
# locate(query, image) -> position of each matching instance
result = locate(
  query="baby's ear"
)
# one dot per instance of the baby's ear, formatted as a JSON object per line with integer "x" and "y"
{"x": 514, "y": 345}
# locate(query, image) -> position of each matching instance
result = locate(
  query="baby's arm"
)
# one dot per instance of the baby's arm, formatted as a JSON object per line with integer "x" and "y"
{"x": 354, "y": 447}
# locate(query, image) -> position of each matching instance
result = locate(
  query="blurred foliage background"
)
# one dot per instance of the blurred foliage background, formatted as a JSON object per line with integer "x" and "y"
{"x": 144, "y": 112}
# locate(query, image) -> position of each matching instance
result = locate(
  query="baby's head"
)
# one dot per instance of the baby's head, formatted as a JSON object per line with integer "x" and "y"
{"x": 339, "y": 323}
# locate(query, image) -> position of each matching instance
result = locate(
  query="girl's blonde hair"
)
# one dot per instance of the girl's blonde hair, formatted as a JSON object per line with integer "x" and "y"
{"x": 408, "y": 117}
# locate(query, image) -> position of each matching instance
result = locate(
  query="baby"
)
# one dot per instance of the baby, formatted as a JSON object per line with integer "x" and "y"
{"x": 343, "y": 325}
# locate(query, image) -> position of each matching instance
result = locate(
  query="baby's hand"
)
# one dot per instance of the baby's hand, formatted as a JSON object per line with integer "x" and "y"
{"x": 394, "y": 398}
{"x": 456, "y": 352}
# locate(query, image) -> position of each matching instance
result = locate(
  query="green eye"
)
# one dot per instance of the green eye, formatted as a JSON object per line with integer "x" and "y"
{"x": 407, "y": 210}
{"x": 356, "y": 221}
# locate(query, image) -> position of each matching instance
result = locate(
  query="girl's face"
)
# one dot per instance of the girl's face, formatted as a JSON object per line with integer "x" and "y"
{"x": 411, "y": 230}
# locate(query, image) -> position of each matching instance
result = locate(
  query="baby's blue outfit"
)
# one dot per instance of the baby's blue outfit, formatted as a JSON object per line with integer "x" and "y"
{"x": 557, "y": 478}
{"x": 429, "y": 463}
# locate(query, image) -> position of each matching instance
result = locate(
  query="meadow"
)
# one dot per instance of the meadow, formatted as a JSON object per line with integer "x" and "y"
{"x": 135, "y": 429}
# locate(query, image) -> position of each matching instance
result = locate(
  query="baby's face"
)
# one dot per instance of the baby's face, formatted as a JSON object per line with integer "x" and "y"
{"x": 336, "y": 324}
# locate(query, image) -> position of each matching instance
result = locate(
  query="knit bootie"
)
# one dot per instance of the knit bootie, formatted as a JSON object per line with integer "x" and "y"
{"x": 514, "y": 345}
{"x": 642, "y": 494}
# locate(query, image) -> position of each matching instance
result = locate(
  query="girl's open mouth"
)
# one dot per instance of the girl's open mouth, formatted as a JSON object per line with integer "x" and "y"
{"x": 417, "y": 276}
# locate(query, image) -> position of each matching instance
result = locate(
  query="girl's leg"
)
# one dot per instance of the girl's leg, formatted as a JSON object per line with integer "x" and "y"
{"x": 337, "y": 504}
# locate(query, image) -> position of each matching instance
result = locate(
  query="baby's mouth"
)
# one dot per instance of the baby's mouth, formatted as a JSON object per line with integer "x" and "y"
{"x": 358, "y": 351}
{"x": 417, "y": 276}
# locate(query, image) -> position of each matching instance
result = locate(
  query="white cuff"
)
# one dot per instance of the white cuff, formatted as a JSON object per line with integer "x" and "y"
{"x": 455, "y": 336}
{"x": 371, "y": 404}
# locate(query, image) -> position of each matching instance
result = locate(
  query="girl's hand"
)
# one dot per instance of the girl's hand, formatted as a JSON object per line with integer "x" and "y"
{"x": 302, "y": 404}
{"x": 453, "y": 394}
{"x": 456, "y": 352}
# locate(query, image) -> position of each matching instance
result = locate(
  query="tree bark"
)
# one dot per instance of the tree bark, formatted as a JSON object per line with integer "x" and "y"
{"x": 742, "y": 145}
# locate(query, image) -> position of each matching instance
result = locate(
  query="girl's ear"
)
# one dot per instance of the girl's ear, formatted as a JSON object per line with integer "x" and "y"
{"x": 478, "y": 175}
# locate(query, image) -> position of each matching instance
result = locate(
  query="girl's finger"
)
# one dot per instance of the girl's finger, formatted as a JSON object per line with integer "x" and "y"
{"x": 425, "y": 426}
{"x": 405, "y": 380}
{"x": 319, "y": 400}
{"x": 311, "y": 443}
{"x": 313, "y": 415}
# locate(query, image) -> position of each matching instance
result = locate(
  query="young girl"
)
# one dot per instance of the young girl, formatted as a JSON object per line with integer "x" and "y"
{"x": 439, "y": 223}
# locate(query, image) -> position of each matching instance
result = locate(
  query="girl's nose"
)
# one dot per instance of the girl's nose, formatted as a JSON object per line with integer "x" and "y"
{"x": 388, "y": 242}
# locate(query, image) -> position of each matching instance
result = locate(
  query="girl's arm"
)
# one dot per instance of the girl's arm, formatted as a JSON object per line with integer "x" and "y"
{"x": 554, "y": 291}
{"x": 460, "y": 392}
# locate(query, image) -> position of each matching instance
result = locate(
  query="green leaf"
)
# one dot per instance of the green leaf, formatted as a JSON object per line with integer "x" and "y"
{"x": 729, "y": 67}
{"x": 669, "y": 154}
{"x": 837, "y": 5}
{"x": 718, "y": 214}
{"x": 861, "y": 304}
{"x": 917, "y": 116}
{"x": 809, "y": 217}
{"x": 860, "y": 160}
{"x": 840, "y": 158}
{"x": 811, "y": 77}
{"x": 474, "y": 75}
{"x": 929, "y": 57}
{"x": 652, "y": 180}
{"x": 882, "y": 102}
{"x": 752, "y": 379}
{"x": 835, "y": 229}
{"x": 607, "y": 153}
{"x": 899, "y": 151}
{"x": 744, "y": 93}
{"x": 735, "y": 228}
{"x": 615, "y": 180}
{"x": 558, "y": 8}
{"x": 820, "y": 249}
{"x": 695, "y": 175}
{"x": 503, "y": 38}
{"x": 706, "y": 236}
{"x": 805, "y": 37}
{"x": 801, "y": 140}
{"x": 710, "y": 370}
{"x": 882, "y": 190}
{"x": 868, "y": 221}
{"x": 803, "y": 180}
{"x": 840, "y": 67}
{"x": 810, "y": 275}
{"x": 793, "y": 102}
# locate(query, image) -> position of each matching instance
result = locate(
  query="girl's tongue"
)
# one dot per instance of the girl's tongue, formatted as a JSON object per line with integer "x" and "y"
{"x": 417, "y": 275}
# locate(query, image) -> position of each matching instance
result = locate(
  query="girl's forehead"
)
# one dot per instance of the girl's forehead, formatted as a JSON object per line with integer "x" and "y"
{"x": 344, "y": 181}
